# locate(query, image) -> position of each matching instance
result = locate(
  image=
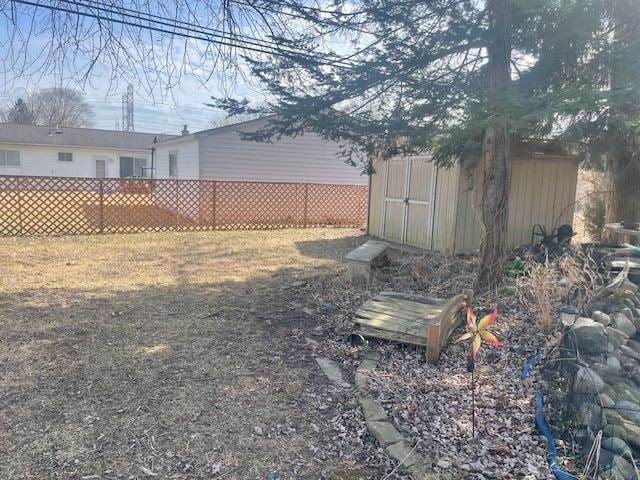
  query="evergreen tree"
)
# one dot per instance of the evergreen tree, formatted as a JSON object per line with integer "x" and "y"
{"x": 19, "y": 113}
{"x": 455, "y": 77}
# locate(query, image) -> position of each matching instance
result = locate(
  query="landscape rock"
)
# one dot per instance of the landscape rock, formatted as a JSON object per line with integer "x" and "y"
{"x": 590, "y": 335}
{"x": 607, "y": 374}
{"x": 629, "y": 410}
{"x": 616, "y": 337}
{"x": 618, "y": 469}
{"x": 614, "y": 364}
{"x": 624, "y": 391}
{"x": 601, "y": 317}
{"x": 628, "y": 313}
{"x": 605, "y": 401}
{"x": 634, "y": 374}
{"x": 616, "y": 445}
{"x": 332, "y": 371}
{"x": 587, "y": 381}
{"x": 634, "y": 345}
{"x": 385, "y": 433}
{"x": 629, "y": 352}
{"x": 621, "y": 322}
{"x": 628, "y": 285}
{"x": 629, "y": 432}
{"x": 591, "y": 416}
{"x": 613, "y": 431}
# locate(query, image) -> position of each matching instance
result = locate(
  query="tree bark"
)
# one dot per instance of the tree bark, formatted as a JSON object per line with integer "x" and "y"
{"x": 496, "y": 149}
{"x": 622, "y": 159}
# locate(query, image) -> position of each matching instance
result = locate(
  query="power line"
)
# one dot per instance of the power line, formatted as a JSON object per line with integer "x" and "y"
{"x": 235, "y": 42}
{"x": 175, "y": 22}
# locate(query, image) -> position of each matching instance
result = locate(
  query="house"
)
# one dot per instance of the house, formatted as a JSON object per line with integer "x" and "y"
{"x": 74, "y": 152}
{"x": 221, "y": 154}
{"x": 215, "y": 154}
{"x": 413, "y": 202}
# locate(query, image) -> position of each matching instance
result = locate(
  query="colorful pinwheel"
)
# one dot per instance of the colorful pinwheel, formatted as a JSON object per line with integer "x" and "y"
{"x": 477, "y": 331}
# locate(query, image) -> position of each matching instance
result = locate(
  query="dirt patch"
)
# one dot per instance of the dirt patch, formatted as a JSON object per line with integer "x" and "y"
{"x": 173, "y": 356}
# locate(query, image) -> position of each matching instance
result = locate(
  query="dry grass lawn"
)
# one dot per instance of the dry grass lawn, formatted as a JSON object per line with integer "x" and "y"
{"x": 164, "y": 355}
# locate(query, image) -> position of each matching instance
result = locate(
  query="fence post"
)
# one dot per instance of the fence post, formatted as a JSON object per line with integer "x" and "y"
{"x": 101, "y": 205}
{"x": 19, "y": 188}
{"x": 306, "y": 204}
{"x": 213, "y": 219}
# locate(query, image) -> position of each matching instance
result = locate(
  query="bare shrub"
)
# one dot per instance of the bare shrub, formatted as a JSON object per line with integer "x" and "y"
{"x": 541, "y": 291}
{"x": 593, "y": 205}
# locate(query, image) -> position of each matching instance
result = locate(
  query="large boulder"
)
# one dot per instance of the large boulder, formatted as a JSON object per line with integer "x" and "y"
{"x": 590, "y": 336}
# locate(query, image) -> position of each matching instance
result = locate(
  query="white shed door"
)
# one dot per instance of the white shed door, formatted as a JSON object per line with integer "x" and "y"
{"x": 408, "y": 201}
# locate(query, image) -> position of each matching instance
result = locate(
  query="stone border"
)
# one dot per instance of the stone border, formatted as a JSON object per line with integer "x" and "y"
{"x": 381, "y": 427}
{"x": 376, "y": 419}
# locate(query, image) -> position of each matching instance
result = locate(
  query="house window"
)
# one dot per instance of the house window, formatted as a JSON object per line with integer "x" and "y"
{"x": 133, "y": 167}
{"x": 65, "y": 157}
{"x": 173, "y": 164}
{"x": 9, "y": 158}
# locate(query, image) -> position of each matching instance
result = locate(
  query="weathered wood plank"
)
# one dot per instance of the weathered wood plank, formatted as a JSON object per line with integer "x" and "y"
{"x": 401, "y": 314}
{"x": 413, "y": 298}
{"x": 393, "y": 318}
{"x": 392, "y": 336}
{"x": 418, "y": 309}
{"x": 393, "y": 324}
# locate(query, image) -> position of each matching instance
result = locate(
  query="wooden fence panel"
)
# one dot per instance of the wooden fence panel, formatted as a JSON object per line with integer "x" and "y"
{"x": 67, "y": 206}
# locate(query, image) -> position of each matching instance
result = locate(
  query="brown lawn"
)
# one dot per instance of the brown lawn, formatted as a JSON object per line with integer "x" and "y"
{"x": 166, "y": 355}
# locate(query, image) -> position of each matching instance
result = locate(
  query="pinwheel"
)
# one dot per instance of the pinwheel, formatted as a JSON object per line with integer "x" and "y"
{"x": 477, "y": 332}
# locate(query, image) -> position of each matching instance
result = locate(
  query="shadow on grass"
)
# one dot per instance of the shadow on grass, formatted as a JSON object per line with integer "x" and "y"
{"x": 182, "y": 380}
{"x": 330, "y": 248}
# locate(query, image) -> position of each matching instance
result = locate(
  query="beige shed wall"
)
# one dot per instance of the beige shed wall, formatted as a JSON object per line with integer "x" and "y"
{"x": 543, "y": 190}
{"x": 445, "y": 208}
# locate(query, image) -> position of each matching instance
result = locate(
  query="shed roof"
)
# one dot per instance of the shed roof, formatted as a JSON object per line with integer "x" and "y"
{"x": 77, "y": 137}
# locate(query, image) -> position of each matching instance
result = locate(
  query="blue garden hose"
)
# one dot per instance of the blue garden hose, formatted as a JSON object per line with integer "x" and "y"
{"x": 542, "y": 425}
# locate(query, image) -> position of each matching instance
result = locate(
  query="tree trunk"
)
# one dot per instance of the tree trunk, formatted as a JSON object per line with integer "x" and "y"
{"x": 623, "y": 200}
{"x": 622, "y": 159}
{"x": 496, "y": 149}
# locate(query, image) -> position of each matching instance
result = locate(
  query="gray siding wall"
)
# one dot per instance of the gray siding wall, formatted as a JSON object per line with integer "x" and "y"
{"x": 306, "y": 158}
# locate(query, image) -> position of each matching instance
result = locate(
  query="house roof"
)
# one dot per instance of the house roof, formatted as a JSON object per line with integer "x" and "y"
{"x": 213, "y": 131}
{"x": 77, "y": 137}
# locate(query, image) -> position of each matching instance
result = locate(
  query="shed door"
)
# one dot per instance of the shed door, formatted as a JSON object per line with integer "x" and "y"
{"x": 408, "y": 201}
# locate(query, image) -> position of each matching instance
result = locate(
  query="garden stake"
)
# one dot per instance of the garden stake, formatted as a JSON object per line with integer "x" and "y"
{"x": 477, "y": 332}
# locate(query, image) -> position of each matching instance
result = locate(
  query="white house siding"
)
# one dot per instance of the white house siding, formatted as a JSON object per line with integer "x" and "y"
{"x": 306, "y": 158}
{"x": 43, "y": 161}
{"x": 187, "y": 151}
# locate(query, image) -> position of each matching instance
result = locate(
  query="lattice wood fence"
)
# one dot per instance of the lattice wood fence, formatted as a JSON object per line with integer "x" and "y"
{"x": 66, "y": 206}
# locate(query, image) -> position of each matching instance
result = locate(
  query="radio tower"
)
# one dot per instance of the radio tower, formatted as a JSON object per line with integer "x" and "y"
{"x": 127, "y": 110}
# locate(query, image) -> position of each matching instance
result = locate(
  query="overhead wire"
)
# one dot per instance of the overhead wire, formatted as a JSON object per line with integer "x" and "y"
{"x": 235, "y": 41}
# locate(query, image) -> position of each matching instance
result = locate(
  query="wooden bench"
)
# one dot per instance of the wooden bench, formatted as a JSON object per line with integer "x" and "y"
{"x": 363, "y": 259}
{"x": 411, "y": 319}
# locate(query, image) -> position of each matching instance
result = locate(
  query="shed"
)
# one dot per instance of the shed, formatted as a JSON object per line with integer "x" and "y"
{"x": 413, "y": 202}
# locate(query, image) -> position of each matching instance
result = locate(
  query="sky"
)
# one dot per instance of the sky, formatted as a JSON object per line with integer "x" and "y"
{"x": 40, "y": 49}
{"x": 189, "y": 74}
{"x": 187, "y": 107}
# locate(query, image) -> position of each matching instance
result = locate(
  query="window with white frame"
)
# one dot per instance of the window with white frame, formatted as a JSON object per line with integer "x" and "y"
{"x": 65, "y": 157}
{"x": 133, "y": 167}
{"x": 9, "y": 158}
{"x": 173, "y": 164}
